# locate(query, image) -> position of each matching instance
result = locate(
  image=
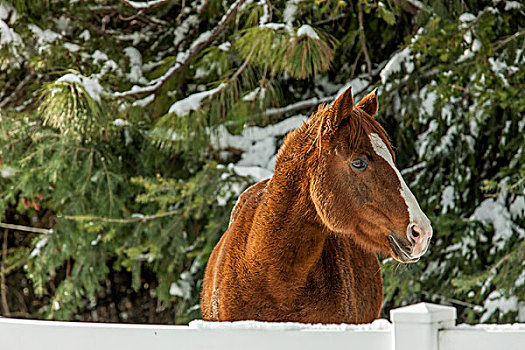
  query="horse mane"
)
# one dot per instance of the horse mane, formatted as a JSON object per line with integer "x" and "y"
{"x": 316, "y": 132}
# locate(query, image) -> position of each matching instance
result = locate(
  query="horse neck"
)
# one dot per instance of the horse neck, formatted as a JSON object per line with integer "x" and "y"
{"x": 287, "y": 236}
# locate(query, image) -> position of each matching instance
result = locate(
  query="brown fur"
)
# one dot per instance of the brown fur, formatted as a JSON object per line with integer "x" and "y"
{"x": 303, "y": 245}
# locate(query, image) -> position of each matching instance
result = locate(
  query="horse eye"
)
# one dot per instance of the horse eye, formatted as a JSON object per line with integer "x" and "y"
{"x": 359, "y": 164}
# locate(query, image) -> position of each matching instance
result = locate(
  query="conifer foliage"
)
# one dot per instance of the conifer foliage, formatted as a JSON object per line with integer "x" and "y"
{"x": 129, "y": 128}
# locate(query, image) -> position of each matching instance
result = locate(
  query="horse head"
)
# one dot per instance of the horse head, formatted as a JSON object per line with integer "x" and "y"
{"x": 353, "y": 180}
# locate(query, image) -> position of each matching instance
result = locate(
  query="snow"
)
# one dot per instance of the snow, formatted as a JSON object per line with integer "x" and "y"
{"x": 447, "y": 199}
{"x": 467, "y": 17}
{"x": 496, "y": 301}
{"x": 153, "y": 85}
{"x": 7, "y": 34}
{"x": 193, "y": 102}
{"x": 428, "y": 100}
{"x": 203, "y": 37}
{"x": 44, "y": 36}
{"x": 274, "y": 26}
{"x": 259, "y": 146}
{"x": 38, "y": 246}
{"x": 424, "y": 138}
{"x": 265, "y": 16}
{"x": 394, "y": 65}
{"x": 446, "y": 141}
{"x": 493, "y": 327}
{"x": 96, "y": 240}
{"x": 143, "y": 102}
{"x": 494, "y": 212}
{"x": 520, "y": 281}
{"x": 512, "y": 5}
{"x": 182, "y": 30}
{"x": 252, "y": 95}
{"x": 99, "y": 56}
{"x": 135, "y": 64}
{"x": 257, "y": 173}
{"x": 225, "y": 46}
{"x": 91, "y": 86}
{"x": 357, "y": 84}
{"x": 7, "y": 9}
{"x": 305, "y": 29}
{"x": 416, "y": 3}
{"x": 7, "y": 172}
{"x": 141, "y": 5}
{"x": 71, "y": 47}
{"x": 289, "y": 12}
{"x": 62, "y": 24}
{"x": 517, "y": 208}
{"x": 85, "y": 35}
{"x": 469, "y": 53}
{"x": 183, "y": 287}
{"x": 377, "y": 325}
{"x": 119, "y": 122}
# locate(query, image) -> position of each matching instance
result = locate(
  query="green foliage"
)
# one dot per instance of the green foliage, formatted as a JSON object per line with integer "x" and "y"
{"x": 136, "y": 196}
{"x": 68, "y": 107}
{"x": 469, "y": 139}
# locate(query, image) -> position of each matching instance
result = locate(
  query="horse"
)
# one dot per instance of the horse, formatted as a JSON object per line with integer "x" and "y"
{"x": 303, "y": 245}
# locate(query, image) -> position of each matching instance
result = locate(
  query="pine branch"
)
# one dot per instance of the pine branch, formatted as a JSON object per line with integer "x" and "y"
{"x": 196, "y": 47}
{"x": 312, "y": 102}
{"x": 25, "y": 228}
{"x": 121, "y": 221}
{"x": 362, "y": 39}
{"x": 409, "y": 6}
{"x": 146, "y": 5}
{"x": 500, "y": 43}
{"x": 3, "y": 288}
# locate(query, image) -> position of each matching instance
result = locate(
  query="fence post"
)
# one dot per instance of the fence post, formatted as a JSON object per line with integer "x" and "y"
{"x": 416, "y": 326}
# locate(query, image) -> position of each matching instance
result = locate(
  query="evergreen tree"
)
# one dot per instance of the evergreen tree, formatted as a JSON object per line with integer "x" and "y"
{"x": 128, "y": 129}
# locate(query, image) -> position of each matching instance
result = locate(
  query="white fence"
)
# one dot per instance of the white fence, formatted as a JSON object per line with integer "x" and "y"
{"x": 420, "y": 326}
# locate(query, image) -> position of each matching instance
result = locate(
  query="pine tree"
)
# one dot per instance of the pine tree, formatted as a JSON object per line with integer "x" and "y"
{"x": 128, "y": 129}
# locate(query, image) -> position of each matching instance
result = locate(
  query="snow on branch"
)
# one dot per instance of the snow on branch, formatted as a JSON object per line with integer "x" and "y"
{"x": 144, "y": 5}
{"x": 359, "y": 85}
{"x": 184, "y": 58}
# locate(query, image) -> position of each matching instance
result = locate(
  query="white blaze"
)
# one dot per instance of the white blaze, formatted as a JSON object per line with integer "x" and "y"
{"x": 416, "y": 215}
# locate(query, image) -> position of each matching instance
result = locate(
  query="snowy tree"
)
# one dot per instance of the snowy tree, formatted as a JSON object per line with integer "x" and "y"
{"x": 128, "y": 129}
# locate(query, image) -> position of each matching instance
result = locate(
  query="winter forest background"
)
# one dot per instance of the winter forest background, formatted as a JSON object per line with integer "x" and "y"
{"x": 128, "y": 129}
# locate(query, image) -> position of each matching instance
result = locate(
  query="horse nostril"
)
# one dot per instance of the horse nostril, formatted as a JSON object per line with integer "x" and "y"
{"x": 415, "y": 234}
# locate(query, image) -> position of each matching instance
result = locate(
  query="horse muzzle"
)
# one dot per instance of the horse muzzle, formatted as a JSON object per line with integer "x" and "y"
{"x": 418, "y": 237}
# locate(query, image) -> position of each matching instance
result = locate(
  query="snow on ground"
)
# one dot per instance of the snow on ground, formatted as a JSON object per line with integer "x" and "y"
{"x": 377, "y": 325}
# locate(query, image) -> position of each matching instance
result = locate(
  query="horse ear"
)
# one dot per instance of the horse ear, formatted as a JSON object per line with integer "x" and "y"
{"x": 343, "y": 106}
{"x": 369, "y": 103}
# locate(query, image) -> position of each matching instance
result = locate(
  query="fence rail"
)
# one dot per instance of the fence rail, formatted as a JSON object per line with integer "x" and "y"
{"x": 419, "y": 326}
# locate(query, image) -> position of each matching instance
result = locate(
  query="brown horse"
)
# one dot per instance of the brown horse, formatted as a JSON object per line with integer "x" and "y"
{"x": 302, "y": 246}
